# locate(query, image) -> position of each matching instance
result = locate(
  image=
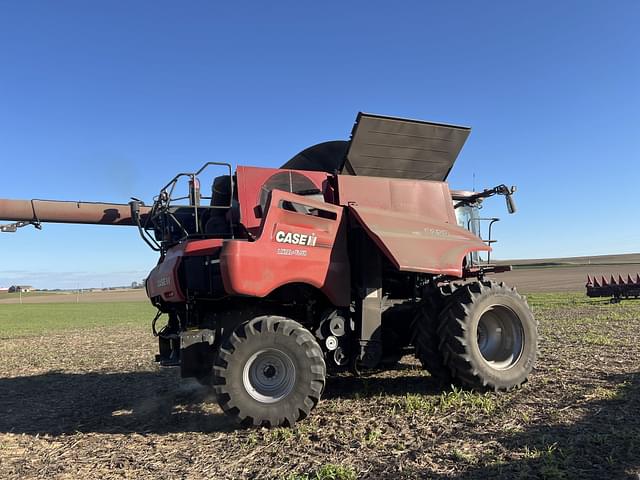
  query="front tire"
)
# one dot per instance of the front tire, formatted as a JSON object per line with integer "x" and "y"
{"x": 269, "y": 372}
{"x": 488, "y": 336}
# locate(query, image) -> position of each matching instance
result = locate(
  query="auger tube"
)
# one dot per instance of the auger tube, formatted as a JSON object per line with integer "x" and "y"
{"x": 56, "y": 211}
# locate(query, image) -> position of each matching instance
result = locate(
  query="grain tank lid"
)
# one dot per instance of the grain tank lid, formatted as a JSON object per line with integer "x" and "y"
{"x": 401, "y": 148}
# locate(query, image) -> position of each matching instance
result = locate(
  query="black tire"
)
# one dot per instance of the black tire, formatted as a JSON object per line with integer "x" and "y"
{"x": 488, "y": 336}
{"x": 397, "y": 331}
{"x": 269, "y": 372}
{"x": 425, "y": 329}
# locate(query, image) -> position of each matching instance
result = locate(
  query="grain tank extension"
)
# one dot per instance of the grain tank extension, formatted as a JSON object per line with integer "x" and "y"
{"x": 349, "y": 256}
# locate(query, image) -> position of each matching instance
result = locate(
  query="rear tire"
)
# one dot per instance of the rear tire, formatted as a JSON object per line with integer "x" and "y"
{"x": 425, "y": 327}
{"x": 488, "y": 336}
{"x": 269, "y": 372}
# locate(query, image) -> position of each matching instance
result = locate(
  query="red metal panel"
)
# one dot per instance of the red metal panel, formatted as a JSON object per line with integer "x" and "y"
{"x": 207, "y": 246}
{"x": 163, "y": 279}
{"x": 413, "y": 222}
{"x": 422, "y": 198}
{"x": 317, "y": 256}
{"x": 249, "y": 183}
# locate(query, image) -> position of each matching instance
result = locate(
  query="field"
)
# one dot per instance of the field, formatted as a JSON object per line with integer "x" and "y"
{"x": 568, "y": 274}
{"x": 107, "y": 296}
{"x": 81, "y": 397}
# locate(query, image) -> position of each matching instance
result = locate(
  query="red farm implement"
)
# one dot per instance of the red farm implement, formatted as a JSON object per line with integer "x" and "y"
{"x": 616, "y": 289}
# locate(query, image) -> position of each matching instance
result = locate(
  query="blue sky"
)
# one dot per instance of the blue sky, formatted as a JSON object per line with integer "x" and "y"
{"x": 105, "y": 100}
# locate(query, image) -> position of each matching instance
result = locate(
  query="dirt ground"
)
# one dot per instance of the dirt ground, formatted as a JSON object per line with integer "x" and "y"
{"x": 84, "y": 297}
{"x": 92, "y": 404}
{"x": 563, "y": 278}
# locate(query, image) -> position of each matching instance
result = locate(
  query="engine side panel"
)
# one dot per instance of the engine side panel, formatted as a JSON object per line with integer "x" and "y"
{"x": 164, "y": 279}
{"x": 307, "y": 245}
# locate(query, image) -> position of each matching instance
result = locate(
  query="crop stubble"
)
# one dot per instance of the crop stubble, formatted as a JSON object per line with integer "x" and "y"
{"x": 91, "y": 403}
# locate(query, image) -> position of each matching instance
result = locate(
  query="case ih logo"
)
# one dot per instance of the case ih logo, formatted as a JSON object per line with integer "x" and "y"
{"x": 296, "y": 238}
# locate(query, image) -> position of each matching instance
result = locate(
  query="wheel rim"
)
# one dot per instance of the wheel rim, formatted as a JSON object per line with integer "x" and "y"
{"x": 269, "y": 375}
{"x": 500, "y": 337}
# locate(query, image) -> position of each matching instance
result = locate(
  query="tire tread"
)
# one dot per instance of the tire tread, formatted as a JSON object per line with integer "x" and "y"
{"x": 452, "y": 328}
{"x": 279, "y": 325}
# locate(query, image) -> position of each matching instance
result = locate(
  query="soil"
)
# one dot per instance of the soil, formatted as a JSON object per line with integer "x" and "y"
{"x": 92, "y": 404}
{"x": 124, "y": 295}
{"x": 563, "y": 278}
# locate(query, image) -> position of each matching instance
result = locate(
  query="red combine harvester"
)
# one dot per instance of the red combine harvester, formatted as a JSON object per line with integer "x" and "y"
{"x": 343, "y": 258}
{"x": 616, "y": 289}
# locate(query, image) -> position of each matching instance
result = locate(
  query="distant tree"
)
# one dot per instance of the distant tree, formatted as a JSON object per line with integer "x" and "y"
{"x": 134, "y": 284}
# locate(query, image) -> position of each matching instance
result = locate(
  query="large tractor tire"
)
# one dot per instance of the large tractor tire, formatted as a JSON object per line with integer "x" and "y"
{"x": 488, "y": 336}
{"x": 269, "y": 372}
{"x": 425, "y": 330}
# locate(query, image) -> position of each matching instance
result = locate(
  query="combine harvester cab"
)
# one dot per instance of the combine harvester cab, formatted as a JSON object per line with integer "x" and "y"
{"x": 616, "y": 289}
{"x": 349, "y": 256}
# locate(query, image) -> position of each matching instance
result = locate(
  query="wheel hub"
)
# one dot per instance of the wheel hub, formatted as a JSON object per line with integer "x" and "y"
{"x": 269, "y": 371}
{"x": 269, "y": 375}
{"x": 500, "y": 337}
